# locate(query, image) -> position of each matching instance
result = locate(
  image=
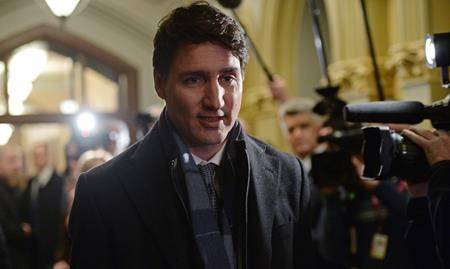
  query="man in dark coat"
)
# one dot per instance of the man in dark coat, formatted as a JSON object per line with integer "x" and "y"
{"x": 428, "y": 211}
{"x": 15, "y": 233}
{"x": 5, "y": 260}
{"x": 196, "y": 191}
{"x": 42, "y": 208}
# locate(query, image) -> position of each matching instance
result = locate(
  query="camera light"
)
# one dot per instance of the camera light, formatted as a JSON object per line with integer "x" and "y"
{"x": 6, "y": 131}
{"x": 437, "y": 54}
{"x": 437, "y": 50}
{"x": 62, "y": 8}
{"x": 430, "y": 51}
{"x": 69, "y": 106}
{"x": 86, "y": 123}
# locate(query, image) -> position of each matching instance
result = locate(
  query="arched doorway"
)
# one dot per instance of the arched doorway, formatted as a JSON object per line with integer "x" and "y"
{"x": 49, "y": 76}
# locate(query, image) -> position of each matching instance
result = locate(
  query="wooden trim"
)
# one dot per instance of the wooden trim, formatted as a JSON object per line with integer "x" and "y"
{"x": 66, "y": 39}
{"x": 50, "y": 118}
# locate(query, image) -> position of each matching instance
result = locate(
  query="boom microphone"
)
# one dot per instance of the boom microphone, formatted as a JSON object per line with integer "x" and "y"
{"x": 386, "y": 112}
{"x": 230, "y": 3}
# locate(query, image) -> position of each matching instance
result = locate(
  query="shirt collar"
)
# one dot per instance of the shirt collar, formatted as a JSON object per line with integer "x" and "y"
{"x": 307, "y": 163}
{"x": 44, "y": 176}
{"x": 216, "y": 159}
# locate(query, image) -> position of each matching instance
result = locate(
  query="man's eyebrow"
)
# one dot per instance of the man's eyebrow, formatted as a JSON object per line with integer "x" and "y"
{"x": 193, "y": 73}
{"x": 229, "y": 69}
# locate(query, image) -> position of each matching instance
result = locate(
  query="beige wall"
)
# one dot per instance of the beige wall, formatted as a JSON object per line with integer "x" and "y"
{"x": 124, "y": 28}
{"x": 398, "y": 29}
{"x": 282, "y": 33}
{"x": 281, "y": 30}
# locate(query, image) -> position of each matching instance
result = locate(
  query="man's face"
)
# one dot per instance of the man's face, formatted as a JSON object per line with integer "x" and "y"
{"x": 11, "y": 164}
{"x": 40, "y": 157}
{"x": 203, "y": 92}
{"x": 302, "y": 133}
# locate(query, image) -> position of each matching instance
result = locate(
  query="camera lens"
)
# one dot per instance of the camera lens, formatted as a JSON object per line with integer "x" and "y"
{"x": 388, "y": 154}
{"x": 409, "y": 159}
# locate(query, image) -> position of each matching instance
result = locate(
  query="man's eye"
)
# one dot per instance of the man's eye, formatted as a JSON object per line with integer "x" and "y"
{"x": 228, "y": 79}
{"x": 304, "y": 126}
{"x": 192, "y": 81}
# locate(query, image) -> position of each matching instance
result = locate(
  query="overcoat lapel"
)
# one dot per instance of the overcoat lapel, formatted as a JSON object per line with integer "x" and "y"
{"x": 147, "y": 180}
{"x": 263, "y": 190}
{"x": 157, "y": 198}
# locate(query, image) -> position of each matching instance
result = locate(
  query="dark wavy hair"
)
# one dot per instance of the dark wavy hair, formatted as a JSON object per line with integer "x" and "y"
{"x": 195, "y": 24}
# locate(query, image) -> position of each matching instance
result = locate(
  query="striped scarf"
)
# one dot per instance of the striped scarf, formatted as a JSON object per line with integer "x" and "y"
{"x": 213, "y": 239}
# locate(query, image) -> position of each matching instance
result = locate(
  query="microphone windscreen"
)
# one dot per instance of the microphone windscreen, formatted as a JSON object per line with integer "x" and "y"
{"x": 385, "y": 112}
{"x": 230, "y": 3}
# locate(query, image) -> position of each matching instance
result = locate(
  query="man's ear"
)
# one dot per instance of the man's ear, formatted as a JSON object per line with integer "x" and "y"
{"x": 160, "y": 84}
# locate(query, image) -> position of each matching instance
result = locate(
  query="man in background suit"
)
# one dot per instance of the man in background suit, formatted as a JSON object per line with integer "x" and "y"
{"x": 42, "y": 208}
{"x": 196, "y": 191}
{"x": 5, "y": 260}
{"x": 15, "y": 233}
{"x": 302, "y": 128}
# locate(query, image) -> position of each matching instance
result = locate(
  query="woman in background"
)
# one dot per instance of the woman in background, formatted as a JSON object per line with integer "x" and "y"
{"x": 86, "y": 162}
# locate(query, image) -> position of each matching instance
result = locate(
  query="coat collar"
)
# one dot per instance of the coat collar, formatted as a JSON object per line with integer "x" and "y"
{"x": 148, "y": 179}
{"x": 265, "y": 170}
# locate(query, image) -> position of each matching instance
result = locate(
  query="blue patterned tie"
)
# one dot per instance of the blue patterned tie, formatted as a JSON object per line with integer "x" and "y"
{"x": 208, "y": 172}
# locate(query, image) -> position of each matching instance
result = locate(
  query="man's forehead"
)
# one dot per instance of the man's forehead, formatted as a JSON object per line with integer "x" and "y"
{"x": 9, "y": 153}
{"x": 301, "y": 118}
{"x": 205, "y": 55}
{"x": 304, "y": 115}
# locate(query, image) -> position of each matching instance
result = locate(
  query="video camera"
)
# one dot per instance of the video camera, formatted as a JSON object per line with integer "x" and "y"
{"x": 333, "y": 167}
{"x": 387, "y": 153}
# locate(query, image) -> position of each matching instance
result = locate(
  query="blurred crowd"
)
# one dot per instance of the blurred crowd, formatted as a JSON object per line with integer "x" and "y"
{"x": 34, "y": 211}
{"x": 356, "y": 223}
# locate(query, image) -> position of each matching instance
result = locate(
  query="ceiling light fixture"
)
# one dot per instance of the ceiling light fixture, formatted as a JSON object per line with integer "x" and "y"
{"x": 65, "y": 8}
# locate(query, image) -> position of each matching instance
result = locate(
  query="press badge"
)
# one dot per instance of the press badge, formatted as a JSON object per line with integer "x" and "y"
{"x": 379, "y": 246}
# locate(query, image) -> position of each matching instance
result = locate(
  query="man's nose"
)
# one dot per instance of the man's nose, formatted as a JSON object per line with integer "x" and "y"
{"x": 298, "y": 132}
{"x": 214, "y": 95}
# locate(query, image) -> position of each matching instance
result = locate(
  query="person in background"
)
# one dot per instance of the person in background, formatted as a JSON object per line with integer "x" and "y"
{"x": 380, "y": 221}
{"x": 302, "y": 127}
{"x": 43, "y": 208}
{"x": 349, "y": 218}
{"x": 86, "y": 162}
{"x": 15, "y": 232}
{"x": 71, "y": 153}
{"x": 278, "y": 90}
{"x": 428, "y": 210}
{"x": 5, "y": 260}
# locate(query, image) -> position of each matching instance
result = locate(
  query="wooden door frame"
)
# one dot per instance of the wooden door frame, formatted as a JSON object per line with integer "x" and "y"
{"x": 128, "y": 103}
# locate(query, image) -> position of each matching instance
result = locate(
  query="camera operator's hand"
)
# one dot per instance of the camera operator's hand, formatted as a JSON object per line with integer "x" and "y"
{"x": 358, "y": 164}
{"x": 415, "y": 189}
{"x": 436, "y": 144}
{"x": 278, "y": 89}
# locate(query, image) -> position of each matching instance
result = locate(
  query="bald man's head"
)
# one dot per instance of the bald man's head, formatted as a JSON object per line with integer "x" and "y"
{"x": 11, "y": 162}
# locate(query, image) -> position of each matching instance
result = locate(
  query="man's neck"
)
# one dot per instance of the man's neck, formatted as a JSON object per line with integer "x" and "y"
{"x": 206, "y": 152}
{"x": 302, "y": 156}
{"x": 44, "y": 175}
